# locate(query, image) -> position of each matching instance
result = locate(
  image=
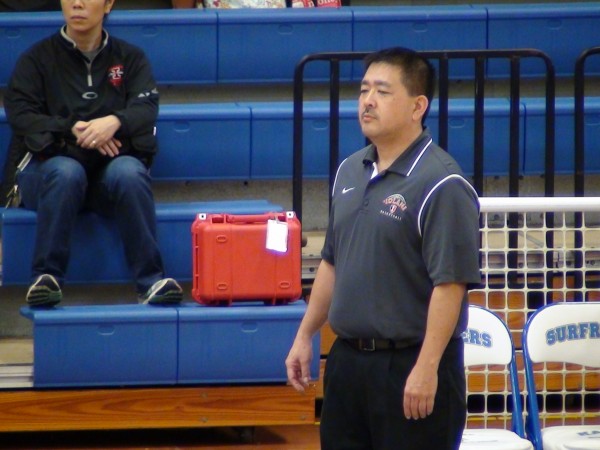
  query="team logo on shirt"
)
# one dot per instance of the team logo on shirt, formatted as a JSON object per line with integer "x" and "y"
{"x": 395, "y": 205}
{"x": 115, "y": 75}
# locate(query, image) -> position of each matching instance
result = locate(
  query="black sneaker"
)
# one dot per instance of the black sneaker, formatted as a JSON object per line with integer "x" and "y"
{"x": 164, "y": 292}
{"x": 45, "y": 291}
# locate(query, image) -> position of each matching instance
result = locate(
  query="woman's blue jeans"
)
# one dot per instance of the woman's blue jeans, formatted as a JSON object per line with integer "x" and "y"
{"x": 58, "y": 188}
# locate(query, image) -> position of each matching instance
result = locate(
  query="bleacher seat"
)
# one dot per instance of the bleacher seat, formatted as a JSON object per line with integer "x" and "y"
{"x": 564, "y": 126}
{"x": 181, "y": 44}
{"x": 561, "y": 30}
{"x": 243, "y": 343}
{"x": 258, "y": 46}
{"x": 253, "y": 140}
{"x": 99, "y": 346}
{"x": 97, "y": 253}
{"x": 203, "y": 142}
{"x": 19, "y": 31}
{"x": 564, "y": 338}
{"x": 134, "y": 345}
{"x": 272, "y": 154}
{"x": 158, "y": 33}
{"x": 461, "y": 133}
{"x": 272, "y": 143}
{"x": 224, "y": 141}
{"x": 456, "y": 27}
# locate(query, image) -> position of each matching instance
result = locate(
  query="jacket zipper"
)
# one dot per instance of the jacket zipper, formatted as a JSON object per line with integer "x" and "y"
{"x": 89, "y": 73}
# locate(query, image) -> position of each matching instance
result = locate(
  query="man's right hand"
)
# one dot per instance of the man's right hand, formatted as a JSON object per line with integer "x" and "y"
{"x": 298, "y": 363}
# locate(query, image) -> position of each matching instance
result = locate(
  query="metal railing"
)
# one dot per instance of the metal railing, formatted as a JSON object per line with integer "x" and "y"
{"x": 580, "y": 81}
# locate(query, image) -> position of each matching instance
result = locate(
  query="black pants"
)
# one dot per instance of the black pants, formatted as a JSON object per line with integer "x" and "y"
{"x": 363, "y": 401}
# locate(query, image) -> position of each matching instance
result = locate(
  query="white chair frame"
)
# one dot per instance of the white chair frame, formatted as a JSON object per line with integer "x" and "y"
{"x": 564, "y": 332}
{"x": 488, "y": 342}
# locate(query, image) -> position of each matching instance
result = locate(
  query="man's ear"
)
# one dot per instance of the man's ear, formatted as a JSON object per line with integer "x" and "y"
{"x": 108, "y": 5}
{"x": 421, "y": 104}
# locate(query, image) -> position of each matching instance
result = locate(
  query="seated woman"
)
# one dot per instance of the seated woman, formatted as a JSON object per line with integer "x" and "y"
{"x": 82, "y": 106}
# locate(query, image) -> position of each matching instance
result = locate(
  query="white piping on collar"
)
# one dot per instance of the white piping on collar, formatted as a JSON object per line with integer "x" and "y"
{"x": 418, "y": 158}
{"x": 375, "y": 171}
{"x": 438, "y": 184}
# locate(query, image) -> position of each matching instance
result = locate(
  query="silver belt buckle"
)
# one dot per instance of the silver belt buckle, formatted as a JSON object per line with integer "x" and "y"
{"x": 368, "y": 345}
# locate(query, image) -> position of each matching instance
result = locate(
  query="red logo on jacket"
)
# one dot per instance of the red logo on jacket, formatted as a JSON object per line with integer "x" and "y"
{"x": 115, "y": 75}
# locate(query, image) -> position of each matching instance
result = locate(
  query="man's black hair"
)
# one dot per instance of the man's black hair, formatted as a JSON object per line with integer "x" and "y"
{"x": 418, "y": 74}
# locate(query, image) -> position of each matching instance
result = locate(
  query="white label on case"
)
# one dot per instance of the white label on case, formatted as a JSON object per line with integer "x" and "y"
{"x": 277, "y": 236}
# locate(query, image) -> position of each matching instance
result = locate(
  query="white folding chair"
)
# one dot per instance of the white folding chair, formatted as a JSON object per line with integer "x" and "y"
{"x": 488, "y": 342}
{"x": 567, "y": 333}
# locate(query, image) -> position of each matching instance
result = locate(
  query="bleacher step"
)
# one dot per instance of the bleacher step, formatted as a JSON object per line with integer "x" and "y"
{"x": 135, "y": 345}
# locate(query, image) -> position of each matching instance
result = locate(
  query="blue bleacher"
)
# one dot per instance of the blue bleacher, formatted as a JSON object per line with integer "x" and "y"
{"x": 100, "y": 346}
{"x": 134, "y": 344}
{"x": 265, "y": 45}
{"x": 272, "y": 155}
{"x": 461, "y": 132}
{"x": 458, "y": 27}
{"x": 243, "y": 343}
{"x": 232, "y": 141}
{"x": 565, "y": 129}
{"x": 158, "y": 32}
{"x": 129, "y": 345}
{"x": 182, "y": 49}
{"x": 258, "y": 46}
{"x": 272, "y": 142}
{"x": 19, "y": 31}
{"x": 561, "y": 30}
{"x": 100, "y": 259}
{"x": 203, "y": 142}
{"x": 253, "y": 140}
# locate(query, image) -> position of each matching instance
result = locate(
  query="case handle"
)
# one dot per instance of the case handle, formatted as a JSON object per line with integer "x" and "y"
{"x": 258, "y": 218}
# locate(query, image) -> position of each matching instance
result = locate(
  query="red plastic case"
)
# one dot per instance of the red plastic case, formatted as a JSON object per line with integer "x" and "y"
{"x": 232, "y": 263}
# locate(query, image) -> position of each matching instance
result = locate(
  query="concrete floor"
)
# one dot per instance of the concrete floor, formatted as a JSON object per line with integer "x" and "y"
{"x": 16, "y": 351}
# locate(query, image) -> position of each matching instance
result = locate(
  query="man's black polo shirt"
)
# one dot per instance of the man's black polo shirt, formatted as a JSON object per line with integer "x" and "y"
{"x": 395, "y": 235}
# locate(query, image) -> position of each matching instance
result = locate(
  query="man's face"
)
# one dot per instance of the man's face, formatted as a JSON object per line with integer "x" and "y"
{"x": 85, "y": 15}
{"x": 385, "y": 108}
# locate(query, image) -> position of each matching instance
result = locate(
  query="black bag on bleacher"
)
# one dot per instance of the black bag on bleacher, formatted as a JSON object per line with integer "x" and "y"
{"x": 8, "y": 184}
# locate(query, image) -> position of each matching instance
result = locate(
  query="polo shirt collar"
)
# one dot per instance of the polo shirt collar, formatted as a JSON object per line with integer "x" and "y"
{"x": 404, "y": 164}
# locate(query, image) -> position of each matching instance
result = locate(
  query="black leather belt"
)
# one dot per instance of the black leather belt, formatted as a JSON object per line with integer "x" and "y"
{"x": 372, "y": 345}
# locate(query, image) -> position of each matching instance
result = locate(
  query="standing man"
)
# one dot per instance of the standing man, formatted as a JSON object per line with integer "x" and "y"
{"x": 401, "y": 247}
{"x": 82, "y": 106}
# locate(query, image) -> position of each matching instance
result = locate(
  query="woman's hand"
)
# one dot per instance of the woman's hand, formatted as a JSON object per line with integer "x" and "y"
{"x": 98, "y": 134}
